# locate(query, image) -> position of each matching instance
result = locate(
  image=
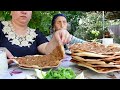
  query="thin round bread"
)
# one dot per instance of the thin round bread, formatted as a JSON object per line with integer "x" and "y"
{"x": 42, "y": 61}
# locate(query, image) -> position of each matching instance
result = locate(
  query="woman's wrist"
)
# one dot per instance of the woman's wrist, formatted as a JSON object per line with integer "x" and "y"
{"x": 71, "y": 37}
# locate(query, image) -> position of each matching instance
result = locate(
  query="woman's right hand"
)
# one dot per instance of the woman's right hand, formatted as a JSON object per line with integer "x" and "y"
{"x": 62, "y": 36}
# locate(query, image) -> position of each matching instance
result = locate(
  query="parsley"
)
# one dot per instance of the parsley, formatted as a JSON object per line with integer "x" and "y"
{"x": 60, "y": 73}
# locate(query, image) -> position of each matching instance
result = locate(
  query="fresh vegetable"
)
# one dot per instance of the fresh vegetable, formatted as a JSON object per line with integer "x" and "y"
{"x": 40, "y": 74}
{"x": 60, "y": 73}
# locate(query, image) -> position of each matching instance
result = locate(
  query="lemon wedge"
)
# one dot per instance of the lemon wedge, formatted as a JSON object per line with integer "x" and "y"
{"x": 80, "y": 76}
{"x": 40, "y": 74}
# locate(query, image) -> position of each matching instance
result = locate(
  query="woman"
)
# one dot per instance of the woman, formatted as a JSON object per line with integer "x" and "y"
{"x": 21, "y": 40}
{"x": 59, "y": 22}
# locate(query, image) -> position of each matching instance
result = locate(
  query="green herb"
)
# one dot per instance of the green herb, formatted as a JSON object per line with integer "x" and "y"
{"x": 60, "y": 73}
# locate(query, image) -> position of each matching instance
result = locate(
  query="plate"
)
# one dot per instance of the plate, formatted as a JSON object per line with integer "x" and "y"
{"x": 40, "y": 74}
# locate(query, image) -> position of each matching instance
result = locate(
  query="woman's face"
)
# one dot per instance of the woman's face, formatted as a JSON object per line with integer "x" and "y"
{"x": 60, "y": 23}
{"x": 21, "y": 16}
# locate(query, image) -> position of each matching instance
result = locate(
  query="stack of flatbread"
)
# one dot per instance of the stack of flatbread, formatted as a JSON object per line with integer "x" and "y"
{"x": 42, "y": 61}
{"x": 96, "y": 56}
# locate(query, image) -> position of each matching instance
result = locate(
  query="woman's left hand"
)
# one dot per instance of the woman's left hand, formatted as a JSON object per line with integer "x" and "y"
{"x": 10, "y": 61}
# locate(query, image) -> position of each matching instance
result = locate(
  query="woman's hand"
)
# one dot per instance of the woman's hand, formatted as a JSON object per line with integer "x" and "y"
{"x": 62, "y": 36}
{"x": 10, "y": 61}
{"x": 9, "y": 56}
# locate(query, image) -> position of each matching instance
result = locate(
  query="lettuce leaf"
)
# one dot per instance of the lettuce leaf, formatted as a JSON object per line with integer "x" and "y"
{"x": 60, "y": 73}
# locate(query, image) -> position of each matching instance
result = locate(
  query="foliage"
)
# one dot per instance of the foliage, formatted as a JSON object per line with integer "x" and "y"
{"x": 85, "y": 25}
{"x": 91, "y": 26}
{"x": 73, "y": 18}
{"x": 111, "y": 15}
{"x": 42, "y": 19}
{"x": 5, "y": 15}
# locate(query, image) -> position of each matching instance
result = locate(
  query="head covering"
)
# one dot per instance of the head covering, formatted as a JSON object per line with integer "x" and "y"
{"x": 54, "y": 18}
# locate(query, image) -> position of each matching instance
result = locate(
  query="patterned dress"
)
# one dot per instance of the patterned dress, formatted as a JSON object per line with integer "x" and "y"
{"x": 20, "y": 45}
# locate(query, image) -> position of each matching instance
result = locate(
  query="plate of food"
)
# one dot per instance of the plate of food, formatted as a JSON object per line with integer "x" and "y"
{"x": 99, "y": 68}
{"x": 60, "y": 73}
{"x": 96, "y": 57}
{"x": 41, "y": 61}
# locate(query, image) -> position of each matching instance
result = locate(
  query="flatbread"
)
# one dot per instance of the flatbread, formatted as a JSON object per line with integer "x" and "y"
{"x": 112, "y": 57}
{"x": 97, "y": 57}
{"x": 89, "y": 54}
{"x": 107, "y": 65}
{"x": 94, "y": 47}
{"x": 96, "y": 69}
{"x": 96, "y": 62}
{"x": 42, "y": 61}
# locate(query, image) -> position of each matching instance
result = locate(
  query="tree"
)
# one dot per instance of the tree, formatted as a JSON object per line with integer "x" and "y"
{"x": 91, "y": 26}
{"x": 42, "y": 19}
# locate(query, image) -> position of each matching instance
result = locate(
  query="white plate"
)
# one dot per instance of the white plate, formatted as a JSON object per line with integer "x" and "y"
{"x": 40, "y": 74}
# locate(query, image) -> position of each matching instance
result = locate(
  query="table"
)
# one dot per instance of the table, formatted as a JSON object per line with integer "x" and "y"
{"x": 14, "y": 72}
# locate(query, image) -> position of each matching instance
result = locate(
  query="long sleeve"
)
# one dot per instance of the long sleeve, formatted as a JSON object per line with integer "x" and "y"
{"x": 76, "y": 40}
{"x": 49, "y": 37}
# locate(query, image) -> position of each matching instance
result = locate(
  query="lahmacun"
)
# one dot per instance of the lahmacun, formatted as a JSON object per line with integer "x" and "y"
{"x": 96, "y": 69}
{"x": 94, "y": 47}
{"x": 96, "y": 56}
{"x": 42, "y": 61}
